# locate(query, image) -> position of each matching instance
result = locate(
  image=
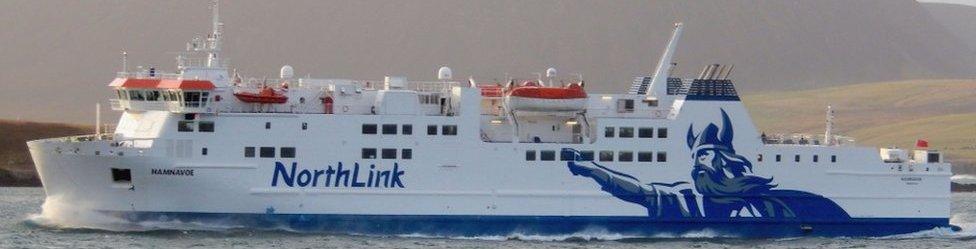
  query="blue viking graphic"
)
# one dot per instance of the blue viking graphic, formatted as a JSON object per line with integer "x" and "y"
{"x": 724, "y": 186}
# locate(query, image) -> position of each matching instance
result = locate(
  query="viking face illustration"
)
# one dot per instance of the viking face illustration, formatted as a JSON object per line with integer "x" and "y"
{"x": 718, "y": 170}
{"x": 723, "y": 185}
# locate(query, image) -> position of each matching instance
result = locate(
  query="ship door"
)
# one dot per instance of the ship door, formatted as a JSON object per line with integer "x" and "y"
{"x": 328, "y": 103}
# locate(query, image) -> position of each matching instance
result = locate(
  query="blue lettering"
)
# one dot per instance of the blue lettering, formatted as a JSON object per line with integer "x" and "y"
{"x": 355, "y": 178}
{"x": 328, "y": 175}
{"x": 304, "y": 178}
{"x": 289, "y": 179}
{"x": 340, "y": 176}
{"x": 396, "y": 176}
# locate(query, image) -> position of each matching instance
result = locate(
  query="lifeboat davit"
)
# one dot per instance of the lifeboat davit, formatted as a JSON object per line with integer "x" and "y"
{"x": 267, "y": 95}
{"x": 533, "y": 97}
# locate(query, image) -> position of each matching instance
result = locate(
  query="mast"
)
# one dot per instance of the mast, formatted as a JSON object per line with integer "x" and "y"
{"x": 98, "y": 119}
{"x": 659, "y": 82}
{"x": 828, "y": 133}
{"x": 215, "y": 38}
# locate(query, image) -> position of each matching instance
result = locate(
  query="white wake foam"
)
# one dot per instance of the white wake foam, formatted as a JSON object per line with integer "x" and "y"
{"x": 59, "y": 215}
{"x": 964, "y": 179}
{"x": 592, "y": 234}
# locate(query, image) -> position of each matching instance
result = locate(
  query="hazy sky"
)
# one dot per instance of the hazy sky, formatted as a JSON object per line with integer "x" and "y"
{"x": 966, "y": 2}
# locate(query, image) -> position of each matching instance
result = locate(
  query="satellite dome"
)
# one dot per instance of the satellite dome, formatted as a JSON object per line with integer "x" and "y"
{"x": 551, "y": 73}
{"x": 287, "y": 72}
{"x": 444, "y": 73}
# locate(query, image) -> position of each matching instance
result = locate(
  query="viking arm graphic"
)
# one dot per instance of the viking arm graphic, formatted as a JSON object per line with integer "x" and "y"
{"x": 723, "y": 186}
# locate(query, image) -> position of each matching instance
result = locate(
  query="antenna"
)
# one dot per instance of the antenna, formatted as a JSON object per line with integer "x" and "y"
{"x": 215, "y": 38}
{"x": 98, "y": 119}
{"x": 828, "y": 133}
{"x": 125, "y": 66}
{"x": 658, "y": 83}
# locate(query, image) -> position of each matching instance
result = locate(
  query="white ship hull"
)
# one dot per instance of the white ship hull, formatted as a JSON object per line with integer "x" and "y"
{"x": 453, "y": 181}
{"x": 437, "y": 158}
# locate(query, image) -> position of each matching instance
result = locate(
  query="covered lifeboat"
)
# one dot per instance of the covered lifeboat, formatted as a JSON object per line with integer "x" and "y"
{"x": 533, "y": 97}
{"x": 267, "y": 95}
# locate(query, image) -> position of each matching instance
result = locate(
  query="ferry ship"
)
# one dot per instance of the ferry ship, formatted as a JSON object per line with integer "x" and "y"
{"x": 465, "y": 158}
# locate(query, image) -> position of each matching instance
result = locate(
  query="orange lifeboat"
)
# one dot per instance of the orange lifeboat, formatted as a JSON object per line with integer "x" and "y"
{"x": 267, "y": 95}
{"x": 533, "y": 97}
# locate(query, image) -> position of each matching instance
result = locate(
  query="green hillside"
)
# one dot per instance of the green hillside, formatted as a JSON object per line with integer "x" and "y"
{"x": 955, "y": 134}
{"x": 880, "y": 114}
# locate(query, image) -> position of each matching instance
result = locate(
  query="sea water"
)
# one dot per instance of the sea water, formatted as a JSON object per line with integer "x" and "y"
{"x": 22, "y": 225}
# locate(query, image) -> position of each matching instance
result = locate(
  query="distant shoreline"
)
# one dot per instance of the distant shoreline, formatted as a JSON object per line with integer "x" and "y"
{"x": 10, "y": 179}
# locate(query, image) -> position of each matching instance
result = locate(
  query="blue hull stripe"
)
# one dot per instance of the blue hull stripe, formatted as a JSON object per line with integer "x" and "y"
{"x": 475, "y": 225}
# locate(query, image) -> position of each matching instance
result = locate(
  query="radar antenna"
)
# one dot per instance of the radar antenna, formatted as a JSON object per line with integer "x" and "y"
{"x": 215, "y": 38}
{"x": 828, "y": 132}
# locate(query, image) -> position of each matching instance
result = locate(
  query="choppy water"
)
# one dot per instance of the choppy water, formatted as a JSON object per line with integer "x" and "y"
{"x": 22, "y": 226}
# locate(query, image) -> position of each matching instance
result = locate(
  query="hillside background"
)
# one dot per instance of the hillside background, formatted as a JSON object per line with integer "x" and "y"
{"x": 57, "y": 56}
{"x": 894, "y": 70}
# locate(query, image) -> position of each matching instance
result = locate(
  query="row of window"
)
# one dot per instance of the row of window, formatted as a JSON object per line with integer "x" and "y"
{"x": 628, "y": 132}
{"x": 269, "y": 152}
{"x": 604, "y": 156}
{"x": 191, "y": 126}
{"x": 189, "y": 98}
{"x": 387, "y": 153}
{"x": 407, "y": 129}
{"x": 796, "y": 158}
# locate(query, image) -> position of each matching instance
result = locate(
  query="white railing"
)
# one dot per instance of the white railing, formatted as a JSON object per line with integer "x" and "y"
{"x": 429, "y": 86}
{"x": 147, "y": 75}
{"x": 806, "y": 139}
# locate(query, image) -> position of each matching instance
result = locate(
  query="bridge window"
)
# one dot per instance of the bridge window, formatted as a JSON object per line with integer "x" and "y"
{"x": 136, "y": 95}
{"x": 191, "y": 99}
{"x": 759, "y": 158}
{"x": 662, "y": 156}
{"x": 389, "y": 129}
{"x": 267, "y": 152}
{"x": 287, "y": 152}
{"x": 304, "y": 126}
{"x": 779, "y": 158}
{"x": 530, "y": 155}
{"x": 449, "y": 130}
{"x": 406, "y": 153}
{"x": 627, "y": 132}
{"x": 185, "y": 126}
{"x": 645, "y": 156}
{"x": 248, "y": 151}
{"x": 369, "y": 128}
{"x": 431, "y": 130}
{"x": 389, "y": 153}
{"x": 152, "y": 95}
{"x": 203, "y": 151}
{"x": 625, "y": 156}
{"x": 796, "y": 158}
{"x": 606, "y": 156}
{"x": 206, "y": 126}
{"x": 608, "y": 132}
{"x": 267, "y": 125}
{"x": 833, "y": 158}
{"x": 547, "y": 155}
{"x": 645, "y": 132}
{"x": 816, "y": 158}
{"x": 407, "y": 129}
{"x": 369, "y": 153}
{"x": 662, "y": 132}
